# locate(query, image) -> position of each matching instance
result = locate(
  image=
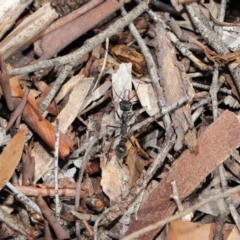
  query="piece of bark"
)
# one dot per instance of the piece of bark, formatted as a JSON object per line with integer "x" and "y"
{"x": 27, "y": 30}
{"x": 215, "y": 145}
{"x": 58, "y": 39}
{"x": 175, "y": 83}
{"x": 9, "y": 13}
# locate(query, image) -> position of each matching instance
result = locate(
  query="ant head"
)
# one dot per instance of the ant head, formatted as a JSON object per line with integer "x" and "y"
{"x": 126, "y": 95}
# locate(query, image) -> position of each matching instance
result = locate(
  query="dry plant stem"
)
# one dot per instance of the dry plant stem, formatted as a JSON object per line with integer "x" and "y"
{"x": 220, "y": 221}
{"x": 47, "y": 232}
{"x": 117, "y": 209}
{"x": 86, "y": 217}
{"x": 5, "y": 85}
{"x": 152, "y": 70}
{"x": 181, "y": 214}
{"x": 19, "y": 109}
{"x": 48, "y": 214}
{"x": 228, "y": 200}
{"x": 56, "y": 151}
{"x": 88, "y": 228}
{"x": 13, "y": 222}
{"x": 91, "y": 43}
{"x": 175, "y": 196}
{"x": 201, "y": 23}
{"x": 33, "y": 191}
{"x": 55, "y": 88}
{"x": 103, "y": 66}
{"x": 213, "y": 91}
{"x": 185, "y": 52}
{"x": 79, "y": 181}
{"x": 206, "y": 87}
{"x": 22, "y": 198}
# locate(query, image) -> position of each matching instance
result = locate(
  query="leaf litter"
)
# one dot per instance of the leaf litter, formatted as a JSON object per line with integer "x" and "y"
{"x": 147, "y": 102}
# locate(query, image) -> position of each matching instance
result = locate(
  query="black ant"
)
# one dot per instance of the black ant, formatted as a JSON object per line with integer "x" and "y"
{"x": 125, "y": 106}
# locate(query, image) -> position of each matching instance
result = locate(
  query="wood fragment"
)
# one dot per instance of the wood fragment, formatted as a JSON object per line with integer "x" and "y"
{"x": 215, "y": 145}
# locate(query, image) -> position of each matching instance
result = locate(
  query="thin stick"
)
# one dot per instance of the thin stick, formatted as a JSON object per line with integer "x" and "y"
{"x": 183, "y": 213}
{"x": 79, "y": 181}
{"x": 57, "y": 201}
{"x": 88, "y": 46}
{"x": 22, "y": 198}
{"x": 5, "y": 85}
{"x": 48, "y": 214}
{"x": 103, "y": 66}
{"x": 19, "y": 109}
{"x": 55, "y": 88}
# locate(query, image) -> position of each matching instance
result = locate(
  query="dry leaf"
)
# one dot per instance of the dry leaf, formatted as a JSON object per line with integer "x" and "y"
{"x": 181, "y": 230}
{"x": 234, "y": 235}
{"x": 11, "y": 156}
{"x": 112, "y": 177}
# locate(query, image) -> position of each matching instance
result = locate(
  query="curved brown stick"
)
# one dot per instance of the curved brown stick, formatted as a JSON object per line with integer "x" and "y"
{"x": 5, "y": 85}
{"x": 19, "y": 109}
{"x": 49, "y": 216}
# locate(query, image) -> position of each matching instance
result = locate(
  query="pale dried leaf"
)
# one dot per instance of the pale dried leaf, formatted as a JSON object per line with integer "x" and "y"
{"x": 121, "y": 81}
{"x": 71, "y": 109}
{"x": 68, "y": 86}
{"x": 112, "y": 177}
{"x": 231, "y": 102}
{"x": 146, "y": 96}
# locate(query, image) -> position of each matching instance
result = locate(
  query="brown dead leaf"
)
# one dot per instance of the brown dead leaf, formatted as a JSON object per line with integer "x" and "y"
{"x": 234, "y": 235}
{"x": 112, "y": 177}
{"x": 11, "y": 156}
{"x": 182, "y": 230}
{"x": 135, "y": 165}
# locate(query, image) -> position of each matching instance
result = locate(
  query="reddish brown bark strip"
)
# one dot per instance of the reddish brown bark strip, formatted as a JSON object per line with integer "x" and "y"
{"x": 58, "y": 39}
{"x": 44, "y": 129}
{"x": 215, "y": 145}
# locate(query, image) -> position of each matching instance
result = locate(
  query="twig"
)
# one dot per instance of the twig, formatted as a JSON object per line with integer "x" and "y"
{"x": 206, "y": 87}
{"x": 56, "y": 151}
{"x": 175, "y": 196}
{"x": 201, "y": 23}
{"x": 103, "y": 66}
{"x": 13, "y": 223}
{"x": 86, "y": 217}
{"x": 55, "y": 88}
{"x": 19, "y": 109}
{"x": 5, "y": 85}
{"x": 88, "y": 46}
{"x": 79, "y": 181}
{"x": 48, "y": 214}
{"x": 152, "y": 70}
{"x": 22, "y": 198}
{"x": 183, "y": 213}
{"x": 213, "y": 91}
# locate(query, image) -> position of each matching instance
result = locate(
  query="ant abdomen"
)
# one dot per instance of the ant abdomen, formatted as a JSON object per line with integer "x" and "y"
{"x": 120, "y": 151}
